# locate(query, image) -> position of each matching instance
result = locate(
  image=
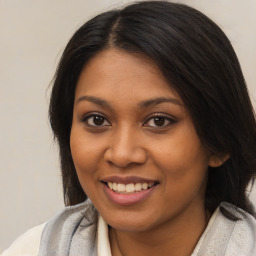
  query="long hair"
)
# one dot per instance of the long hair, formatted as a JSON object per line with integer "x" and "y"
{"x": 198, "y": 61}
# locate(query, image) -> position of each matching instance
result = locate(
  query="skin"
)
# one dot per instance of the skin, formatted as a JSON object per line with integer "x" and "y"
{"x": 130, "y": 142}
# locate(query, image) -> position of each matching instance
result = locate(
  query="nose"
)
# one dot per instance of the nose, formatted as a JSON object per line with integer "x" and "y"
{"x": 125, "y": 149}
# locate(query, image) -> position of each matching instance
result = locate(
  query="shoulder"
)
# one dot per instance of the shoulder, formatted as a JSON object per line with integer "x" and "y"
{"x": 75, "y": 226}
{"x": 62, "y": 226}
{"x": 227, "y": 237}
{"x": 27, "y": 244}
{"x": 243, "y": 235}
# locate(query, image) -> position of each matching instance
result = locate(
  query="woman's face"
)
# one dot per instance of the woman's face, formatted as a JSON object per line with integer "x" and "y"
{"x": 134, "y": 146}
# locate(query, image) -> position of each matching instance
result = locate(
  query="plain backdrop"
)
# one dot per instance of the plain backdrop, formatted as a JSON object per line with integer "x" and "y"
{"x": 33, "y": 34}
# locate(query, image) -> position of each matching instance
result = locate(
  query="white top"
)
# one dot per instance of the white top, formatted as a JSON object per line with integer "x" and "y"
{"x": 27, "y": 244}
{"x": 103, "y": 246}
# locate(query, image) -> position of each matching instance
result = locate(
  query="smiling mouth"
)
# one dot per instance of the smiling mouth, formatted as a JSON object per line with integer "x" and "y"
{"x": 130, "y": 188}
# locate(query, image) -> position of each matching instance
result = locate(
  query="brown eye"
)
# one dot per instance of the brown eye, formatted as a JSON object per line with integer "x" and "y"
{"x": 159, "y": 121}
{"x": 96, "y": 120}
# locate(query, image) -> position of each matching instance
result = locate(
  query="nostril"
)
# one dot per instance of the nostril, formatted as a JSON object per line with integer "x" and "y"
{"x": 121, "y": 165}
{"x": 122, "y": 155}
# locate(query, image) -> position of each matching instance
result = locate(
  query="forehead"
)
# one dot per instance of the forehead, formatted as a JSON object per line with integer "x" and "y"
{"x": 117, "y": 72}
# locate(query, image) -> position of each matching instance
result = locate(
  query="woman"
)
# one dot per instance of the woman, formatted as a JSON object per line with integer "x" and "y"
{"x": 155, "y": 126}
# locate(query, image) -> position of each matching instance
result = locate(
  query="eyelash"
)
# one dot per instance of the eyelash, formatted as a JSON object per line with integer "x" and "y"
{"x": 168, "y": 119}
{"x": 93, "y": 115}
{"x": 159, "y": 115}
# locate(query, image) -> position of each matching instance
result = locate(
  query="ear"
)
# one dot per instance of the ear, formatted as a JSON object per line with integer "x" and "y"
{"x": 218, "y": 160}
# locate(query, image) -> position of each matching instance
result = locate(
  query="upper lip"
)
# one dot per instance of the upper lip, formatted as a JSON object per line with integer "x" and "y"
{"x": 127, "y": 180}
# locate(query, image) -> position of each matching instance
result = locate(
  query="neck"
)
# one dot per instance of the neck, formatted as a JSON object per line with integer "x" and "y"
{"x": 178, "y": 236}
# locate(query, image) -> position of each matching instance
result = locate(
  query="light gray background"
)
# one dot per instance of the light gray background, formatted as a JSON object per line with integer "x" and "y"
{"x": 33, "y": 34}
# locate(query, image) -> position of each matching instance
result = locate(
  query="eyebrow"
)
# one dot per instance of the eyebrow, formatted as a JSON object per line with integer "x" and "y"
{"x": 94, "y": 100}
{"x": 143, "y": 104}
{"x": 156, "y": 101}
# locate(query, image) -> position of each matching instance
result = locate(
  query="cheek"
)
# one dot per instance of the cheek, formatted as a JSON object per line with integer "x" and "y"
{"x": 180, "y": 156}
{"x": 184, "y": 179}
{"x": 86, "y": 157}
{"x": 183, "y": 161}
{"x": 84, "y": 149}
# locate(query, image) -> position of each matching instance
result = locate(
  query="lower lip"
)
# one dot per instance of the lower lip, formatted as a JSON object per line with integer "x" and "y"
{"x": 128, "y": 199}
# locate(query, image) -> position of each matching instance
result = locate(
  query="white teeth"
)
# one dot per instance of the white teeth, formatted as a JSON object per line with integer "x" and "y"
{"x": 129, "y": 188}
{"x": 138, "y": 186}
{"x": 120, "y": 187}
{"x": 151, "y": 184}
{"x": 145, "y": 186}
{"x": 115, "y": 186}
{"x": 110, "y": 185}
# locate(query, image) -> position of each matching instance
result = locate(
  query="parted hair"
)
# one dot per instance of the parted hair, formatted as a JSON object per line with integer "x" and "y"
{"x": 197, "y": 60}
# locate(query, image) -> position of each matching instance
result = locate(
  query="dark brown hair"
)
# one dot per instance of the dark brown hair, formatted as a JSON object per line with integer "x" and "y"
{"x": 196, "y": 57}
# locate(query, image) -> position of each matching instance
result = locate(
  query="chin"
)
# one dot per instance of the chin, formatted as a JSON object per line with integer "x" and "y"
{"x": 130, "y": 222}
